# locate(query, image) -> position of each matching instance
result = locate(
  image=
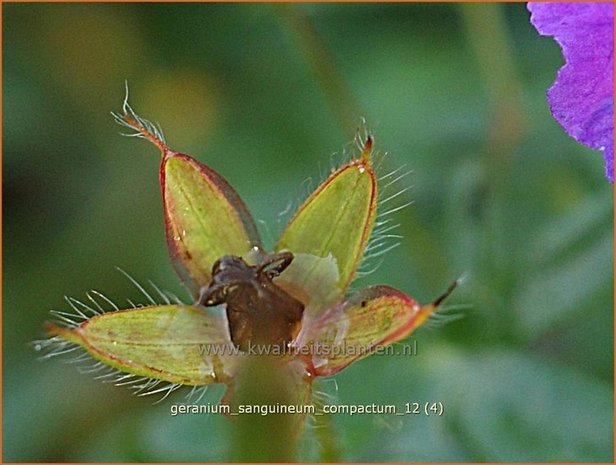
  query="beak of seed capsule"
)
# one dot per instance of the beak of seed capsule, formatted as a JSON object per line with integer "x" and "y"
{"x": 427, "y": 310}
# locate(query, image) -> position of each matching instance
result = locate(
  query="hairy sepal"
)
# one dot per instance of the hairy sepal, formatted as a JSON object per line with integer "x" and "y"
{"x": 172, "y": 343}
{"x": 336, "y": 221}
{"x": 205, "y": 218}
{"x": 358, "y": 326}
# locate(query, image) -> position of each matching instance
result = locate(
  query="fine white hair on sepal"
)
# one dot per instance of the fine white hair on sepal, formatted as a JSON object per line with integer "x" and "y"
{"x": 448, "y": 313}
{"x": 95, "y": 302}
{"x": 142, "y": 128}
{"x": 148, "y": 384}
{"x": 394, "y": 176}
{"x": 198, "y": 391}
{"x": 79, "y": 359}
{"x": 325, "y": 391}
{"x": 77, "y": 304}
{"x": 379, "y": 248}
{"x": 174, "y": 298}
{"x": 392, "y": 210}
{"x": 53, "y": 347}
{"x": 70, "y": 320}
{"x": 142, "y": 386}
{"x": 108, "y": 373}
{"x": 362, "y": 134}
{"x": 102, "y": 296}
{"x": 366, "y": 270}
{"x": 269, "y": 236}
{"x": 464, "y": 278}
{"x": 166, "y": 389}
{"x": 138, "y": 286}
{"x": 125, "y": 379}
{"x": 351, "y": 151}
{"x": 391, "y": 423}
{"x": 99, "y": 304}
{"x": 163, "y": 297}
{"x": 392, "y": 198}
{"x": 394, "y": 195}
{"x": 94, "y": 368}
{"x": 302, "y": 192}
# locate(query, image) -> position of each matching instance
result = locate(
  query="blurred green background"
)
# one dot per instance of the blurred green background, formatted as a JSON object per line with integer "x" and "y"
{"x": 265, "y": 94}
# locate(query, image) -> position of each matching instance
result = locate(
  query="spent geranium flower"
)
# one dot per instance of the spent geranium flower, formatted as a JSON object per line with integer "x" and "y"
{"x": 582, "y": 97}
{"x": 290, "y": 303}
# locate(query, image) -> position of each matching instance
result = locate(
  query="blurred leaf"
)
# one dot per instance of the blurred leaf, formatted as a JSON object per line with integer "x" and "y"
{"x": 554, "y": 293}
{"x": 161, "y": 436}
{"x": 506, "y": 407}
{"x": 499, "y": 406}
{"x": 562, "y": 235}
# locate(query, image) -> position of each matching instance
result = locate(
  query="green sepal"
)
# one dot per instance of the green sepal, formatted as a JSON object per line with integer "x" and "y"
{"x": 205, "y": 218}
{"x": 336, "y": 220}
{"x": 355, "y": 328}
{"x": 173, "y": 343}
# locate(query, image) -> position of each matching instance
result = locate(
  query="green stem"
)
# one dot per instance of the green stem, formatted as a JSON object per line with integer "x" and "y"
{"x": 324, "y": 431}
{"x": 263, "y": 382}
{"x": 323, "y": 65}
{"x": 487, "y": 35}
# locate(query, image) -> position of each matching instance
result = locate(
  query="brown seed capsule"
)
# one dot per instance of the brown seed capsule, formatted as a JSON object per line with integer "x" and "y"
{"x": 259, "y": 312}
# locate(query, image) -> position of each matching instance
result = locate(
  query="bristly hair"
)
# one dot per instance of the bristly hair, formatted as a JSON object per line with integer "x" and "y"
{"x": 448, "y": 313}
{"x": 142, "y": 128}
{"x": 391, "y": 200}
{"x": 325, "y": 392}
{"x": 55, "y": 346}
{"x": 351, "y": 151}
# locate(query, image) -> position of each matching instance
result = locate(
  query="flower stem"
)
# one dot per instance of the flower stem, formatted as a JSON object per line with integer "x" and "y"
{"x": 324, "y": 430}
{"x": 488, "y": 37}
{"x": 267, "y": 382}
{"x": 315, "y": 51}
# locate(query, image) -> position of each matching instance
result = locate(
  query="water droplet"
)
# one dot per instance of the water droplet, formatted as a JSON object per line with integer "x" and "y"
{"x": 115, "y": 343}
{"x": 177, "y": 238}
{"x": 38, "y": 347}
{"x": 361, "y": 168}
{"x": 183, "y": 233}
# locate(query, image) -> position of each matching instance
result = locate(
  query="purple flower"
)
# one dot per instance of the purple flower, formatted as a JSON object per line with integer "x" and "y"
{"x": 582, "y": 97}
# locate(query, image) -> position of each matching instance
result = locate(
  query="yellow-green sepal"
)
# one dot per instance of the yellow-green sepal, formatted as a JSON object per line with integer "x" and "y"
{"x": 336, "y": 221}
{"x": 355, "y": 328}
{"x": 180, "y": 344}
{"x": 205, "y": 218}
